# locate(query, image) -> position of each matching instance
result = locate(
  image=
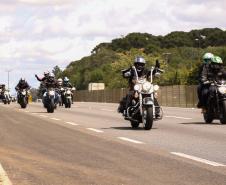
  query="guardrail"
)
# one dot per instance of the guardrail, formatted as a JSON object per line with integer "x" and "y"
{"x": 172, "y": 96}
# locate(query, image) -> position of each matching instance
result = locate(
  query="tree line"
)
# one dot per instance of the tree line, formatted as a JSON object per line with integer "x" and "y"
{"x": 179, "y": 54}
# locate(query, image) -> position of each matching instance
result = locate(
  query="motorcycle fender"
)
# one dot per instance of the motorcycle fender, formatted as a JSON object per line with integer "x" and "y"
{"x": 148, "y": 101}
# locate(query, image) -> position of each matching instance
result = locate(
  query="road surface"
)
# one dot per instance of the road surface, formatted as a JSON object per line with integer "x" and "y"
{"x": 91, "y": 144}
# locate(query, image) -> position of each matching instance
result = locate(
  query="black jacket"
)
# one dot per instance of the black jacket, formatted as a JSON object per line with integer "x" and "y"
{"x": 212, "y": 72}
{"x": 130, "y": 74}
{"x": 22, "y": 86}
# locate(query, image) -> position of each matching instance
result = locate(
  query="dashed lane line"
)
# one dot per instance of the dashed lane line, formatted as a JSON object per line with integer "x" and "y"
{"x": 178, "y": 117}
{"x": 198, "y": 159}
{"x": 130, "y": 140}
{"x": 4, "y": 179}
{"x": 44, "y": 116}
{"x": 95, "y": 130}
{"x": 71, "y": 123}
{"x": 56, "y": 119}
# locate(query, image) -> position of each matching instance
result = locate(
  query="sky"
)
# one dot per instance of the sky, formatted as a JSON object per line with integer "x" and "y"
{"x": 36, "y": 35}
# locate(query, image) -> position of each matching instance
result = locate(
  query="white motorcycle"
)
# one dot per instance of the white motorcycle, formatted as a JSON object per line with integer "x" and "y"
{"x": 68, "y": 97}
{"x": 143, "y": 108}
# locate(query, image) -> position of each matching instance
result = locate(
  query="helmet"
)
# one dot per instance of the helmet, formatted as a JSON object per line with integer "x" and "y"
{"x": 66, "y": 79}
{"x": 51, "y": 75}
{"x": 207, "y": 57}
{"x": 22, "y": 80}
{"x": 139, "y": 63}
{"x": 59, "y": 81}
{"x": 46, "y": 73}
{"x": 217, "y": 60}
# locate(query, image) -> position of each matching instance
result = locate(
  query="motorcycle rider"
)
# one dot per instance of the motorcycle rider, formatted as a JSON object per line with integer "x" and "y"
{"x": 130, "y": 74}
{"x": 59, "y": 91}
{"x": 22, "y": 85}
{"x": 2, "y": 87}
{"x": 213, "y": 72}
{"x": 45, "y": 77}
{"x": 207, "y": 58}
{"x": 67, "y": 84}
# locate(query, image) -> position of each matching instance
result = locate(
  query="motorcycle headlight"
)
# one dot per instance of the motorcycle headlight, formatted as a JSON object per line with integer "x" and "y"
{"x": 222, "y": 89}
{"x": 68, "y": 92}
{"x": 147, "y": 86}
{"x": 137, "y": 87}
{"x": 156, "y": 87}
{"x": 51, "y": 93}
{"x": 24, "y": 93}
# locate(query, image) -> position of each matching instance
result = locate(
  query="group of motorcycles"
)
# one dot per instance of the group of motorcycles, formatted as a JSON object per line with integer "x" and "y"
{"x": 51, "y": 98}
{"x": 143, "y": 108}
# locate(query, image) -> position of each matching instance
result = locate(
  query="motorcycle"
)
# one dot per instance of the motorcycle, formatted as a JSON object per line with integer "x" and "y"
{"x": 67, "y": 96}
{"x": 143, "y": 108}
{"x": 22, "y": 98}
{"x": 50, "y": 100}
{"x": 216, "y": 103}
{"x": 6, "y": 97}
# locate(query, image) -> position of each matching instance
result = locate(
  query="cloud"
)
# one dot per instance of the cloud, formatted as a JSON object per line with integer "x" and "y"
{"x": 36, "y": 35}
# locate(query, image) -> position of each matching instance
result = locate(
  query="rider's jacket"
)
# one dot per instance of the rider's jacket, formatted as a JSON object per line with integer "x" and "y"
{"x": 212, "y": 72}
{"x": 22, "y": 86}
{"x": 130, "y": 74}
{"x": 68, "y": 85}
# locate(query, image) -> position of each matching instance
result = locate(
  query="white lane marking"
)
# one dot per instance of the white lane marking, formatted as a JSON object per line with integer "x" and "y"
{"x": 197, "y": 159}
{"x": 26, "y": 111}
{"x": 95, "y": 130}
{"x": 44, "y": 116}
{"x": 178, "y": 117}
{"x": 107, "y": 110}
{"x": 71, "y": 123}
{"x": 130, "y": 140}
{"x": 56, "y": 119}
{"x": 34, "y": 113}
{"x": 4, "y": 179}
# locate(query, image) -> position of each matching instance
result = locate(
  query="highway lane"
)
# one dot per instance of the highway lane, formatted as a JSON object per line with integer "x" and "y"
{"x": 181, "y": 130}
{"x": 77, "y": 146}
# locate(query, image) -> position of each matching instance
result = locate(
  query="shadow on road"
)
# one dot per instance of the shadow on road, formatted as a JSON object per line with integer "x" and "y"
{"x": 201, "y": 123}
{"x": 128, "y": 128}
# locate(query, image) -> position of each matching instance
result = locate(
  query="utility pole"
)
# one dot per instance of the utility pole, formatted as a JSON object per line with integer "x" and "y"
{"x": 8, "y": 71}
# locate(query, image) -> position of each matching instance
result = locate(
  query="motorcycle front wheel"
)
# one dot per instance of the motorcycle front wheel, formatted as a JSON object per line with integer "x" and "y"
{"x": 148, "y": 118}
{"x": 223, "y": 113}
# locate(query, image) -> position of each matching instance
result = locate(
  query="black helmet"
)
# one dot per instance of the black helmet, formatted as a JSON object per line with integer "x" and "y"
{"x": 139, "y": 63}
{"x": 22, "y": 80}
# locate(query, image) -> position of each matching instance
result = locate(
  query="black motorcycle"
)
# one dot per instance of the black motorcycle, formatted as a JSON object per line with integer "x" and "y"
{"x": 22, "y": 98}
{"x": 216, "y": 103}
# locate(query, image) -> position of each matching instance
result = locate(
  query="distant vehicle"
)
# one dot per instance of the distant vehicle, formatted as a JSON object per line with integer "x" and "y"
{"x": 22, "y": 98}
{"x": 50, "y": 100}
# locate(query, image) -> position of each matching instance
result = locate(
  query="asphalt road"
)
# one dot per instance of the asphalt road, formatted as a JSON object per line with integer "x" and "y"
{"x": 91, "y": 144}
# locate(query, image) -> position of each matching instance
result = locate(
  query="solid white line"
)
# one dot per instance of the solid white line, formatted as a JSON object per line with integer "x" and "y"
{"x": 178, "y": 117}
{"x": 71, "y": 123}
{"x": 56, "y": 119}
{"x": 4, "y": 179}
{"x": 130, "y": 140}
{"x": 107, "y": 110}
{"x": 95, "y": 130}
{"x": 197, "y": 159}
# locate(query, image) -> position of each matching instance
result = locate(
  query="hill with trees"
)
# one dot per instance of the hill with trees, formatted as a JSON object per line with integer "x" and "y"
{"x": 179, "y": 54}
